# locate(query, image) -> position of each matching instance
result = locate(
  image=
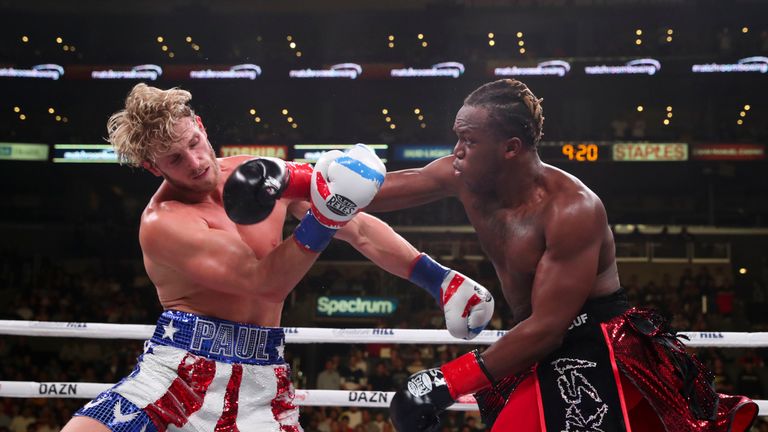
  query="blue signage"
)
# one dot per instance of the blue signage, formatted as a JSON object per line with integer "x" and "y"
{"x": 421, "y": 153}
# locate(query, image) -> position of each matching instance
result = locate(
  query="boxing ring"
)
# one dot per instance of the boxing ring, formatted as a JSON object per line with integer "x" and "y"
{"x": 304, "y": 335}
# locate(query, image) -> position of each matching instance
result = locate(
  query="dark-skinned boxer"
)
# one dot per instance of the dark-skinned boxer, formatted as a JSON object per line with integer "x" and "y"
{"x": 579, "y": 356}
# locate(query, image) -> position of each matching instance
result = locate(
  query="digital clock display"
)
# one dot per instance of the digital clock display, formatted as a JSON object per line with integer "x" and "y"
{"x": 579, "y": 152}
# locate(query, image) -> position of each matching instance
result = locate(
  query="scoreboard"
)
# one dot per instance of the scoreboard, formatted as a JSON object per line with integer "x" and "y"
{"x": 568, "y": 151}
{"x": 588, "y": 152}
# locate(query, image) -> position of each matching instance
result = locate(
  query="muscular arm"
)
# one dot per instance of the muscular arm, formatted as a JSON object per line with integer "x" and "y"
{"x": 373, "y": 238}
{"x": 220, "y": 260}
{"x": 414, "y": 187}
{"x": 563, "y": 281}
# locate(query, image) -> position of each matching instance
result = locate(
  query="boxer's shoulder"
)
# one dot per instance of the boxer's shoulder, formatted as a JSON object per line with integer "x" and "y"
{"x": 169, "y": 209}
{"x": 231, "y": 162}
{"x": 566, "y": 191}
{"x": 162, "y": 218}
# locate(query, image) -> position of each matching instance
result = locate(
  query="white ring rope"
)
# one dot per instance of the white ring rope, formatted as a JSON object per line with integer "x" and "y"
{"x": 345, "y": 398}
{"x": 83, "y": 390}
{"x": 296, "y": 335}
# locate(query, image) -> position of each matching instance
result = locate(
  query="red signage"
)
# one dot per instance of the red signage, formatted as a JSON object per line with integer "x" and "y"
{"x": 278, "y": 151}
{"x": 733, "y": 152}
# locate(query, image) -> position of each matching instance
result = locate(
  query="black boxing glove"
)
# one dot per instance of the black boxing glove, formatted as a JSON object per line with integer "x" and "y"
{"x": 417, "y": 407}
{"x": 252, "y": 189}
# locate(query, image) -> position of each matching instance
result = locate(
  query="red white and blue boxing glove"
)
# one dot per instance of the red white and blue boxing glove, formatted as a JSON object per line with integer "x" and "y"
{"x": 417, "y": 406}
{"x": 467, "y": 305}
{"x": 342, "y": 185}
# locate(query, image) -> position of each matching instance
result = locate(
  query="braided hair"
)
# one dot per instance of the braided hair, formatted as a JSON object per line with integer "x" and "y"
{"x": 513, "y": 110}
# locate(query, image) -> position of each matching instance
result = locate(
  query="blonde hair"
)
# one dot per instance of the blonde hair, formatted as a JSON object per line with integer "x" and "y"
{"x": 145, "y": 128}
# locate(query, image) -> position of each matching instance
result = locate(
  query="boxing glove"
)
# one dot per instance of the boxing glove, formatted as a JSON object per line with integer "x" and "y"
{"x": 253, "y": 188}
{"x": 467, "y": 305}
{"x": 417, "y": 406}
{"x": 345, "y": 183}
{"x": 342, "y": 185}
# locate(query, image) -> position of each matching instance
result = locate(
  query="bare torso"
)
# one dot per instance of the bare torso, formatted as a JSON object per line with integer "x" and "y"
{"x": 514, "y": 239}
{"x": 179, "y": 291}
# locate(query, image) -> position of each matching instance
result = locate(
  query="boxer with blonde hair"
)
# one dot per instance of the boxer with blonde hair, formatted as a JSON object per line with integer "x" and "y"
{"x": 215, "y": 360}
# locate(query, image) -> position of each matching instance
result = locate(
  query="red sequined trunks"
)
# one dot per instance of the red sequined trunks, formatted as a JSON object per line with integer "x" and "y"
{"x": 618, "y": 369}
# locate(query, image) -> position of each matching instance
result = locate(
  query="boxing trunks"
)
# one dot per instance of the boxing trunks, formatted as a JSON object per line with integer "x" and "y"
{"x": 618, "y": 369}
{"x": 203, "y": 374}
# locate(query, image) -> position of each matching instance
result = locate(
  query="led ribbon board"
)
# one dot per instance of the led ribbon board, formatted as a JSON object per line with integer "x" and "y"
{"x": 241, "y": 71}
{"x": 141, "y": 72}
{"x": 277, "y": 151}
{"x": 558, "y": 68}
{"x": 419, "y": 153}
{"x": 445, "y": 69}
{"x": 45, "y": 71}
{"x": 84, "y": 153}
{"x": 23, "y": 151}
{"x": 312, "y": 152}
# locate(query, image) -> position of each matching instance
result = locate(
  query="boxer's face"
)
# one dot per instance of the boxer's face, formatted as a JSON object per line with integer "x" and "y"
{"x": 478, "y": 151}
{"x": 190, "y": 163}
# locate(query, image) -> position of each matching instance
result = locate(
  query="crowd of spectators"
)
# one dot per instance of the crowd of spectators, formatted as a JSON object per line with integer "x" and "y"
{"x": 699, "y": 299}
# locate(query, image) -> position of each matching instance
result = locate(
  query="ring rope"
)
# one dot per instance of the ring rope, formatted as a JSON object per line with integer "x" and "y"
{"x": 345, "y": 398}
{"x": 85, "y": 390}
{"x": 297, "y": 335}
